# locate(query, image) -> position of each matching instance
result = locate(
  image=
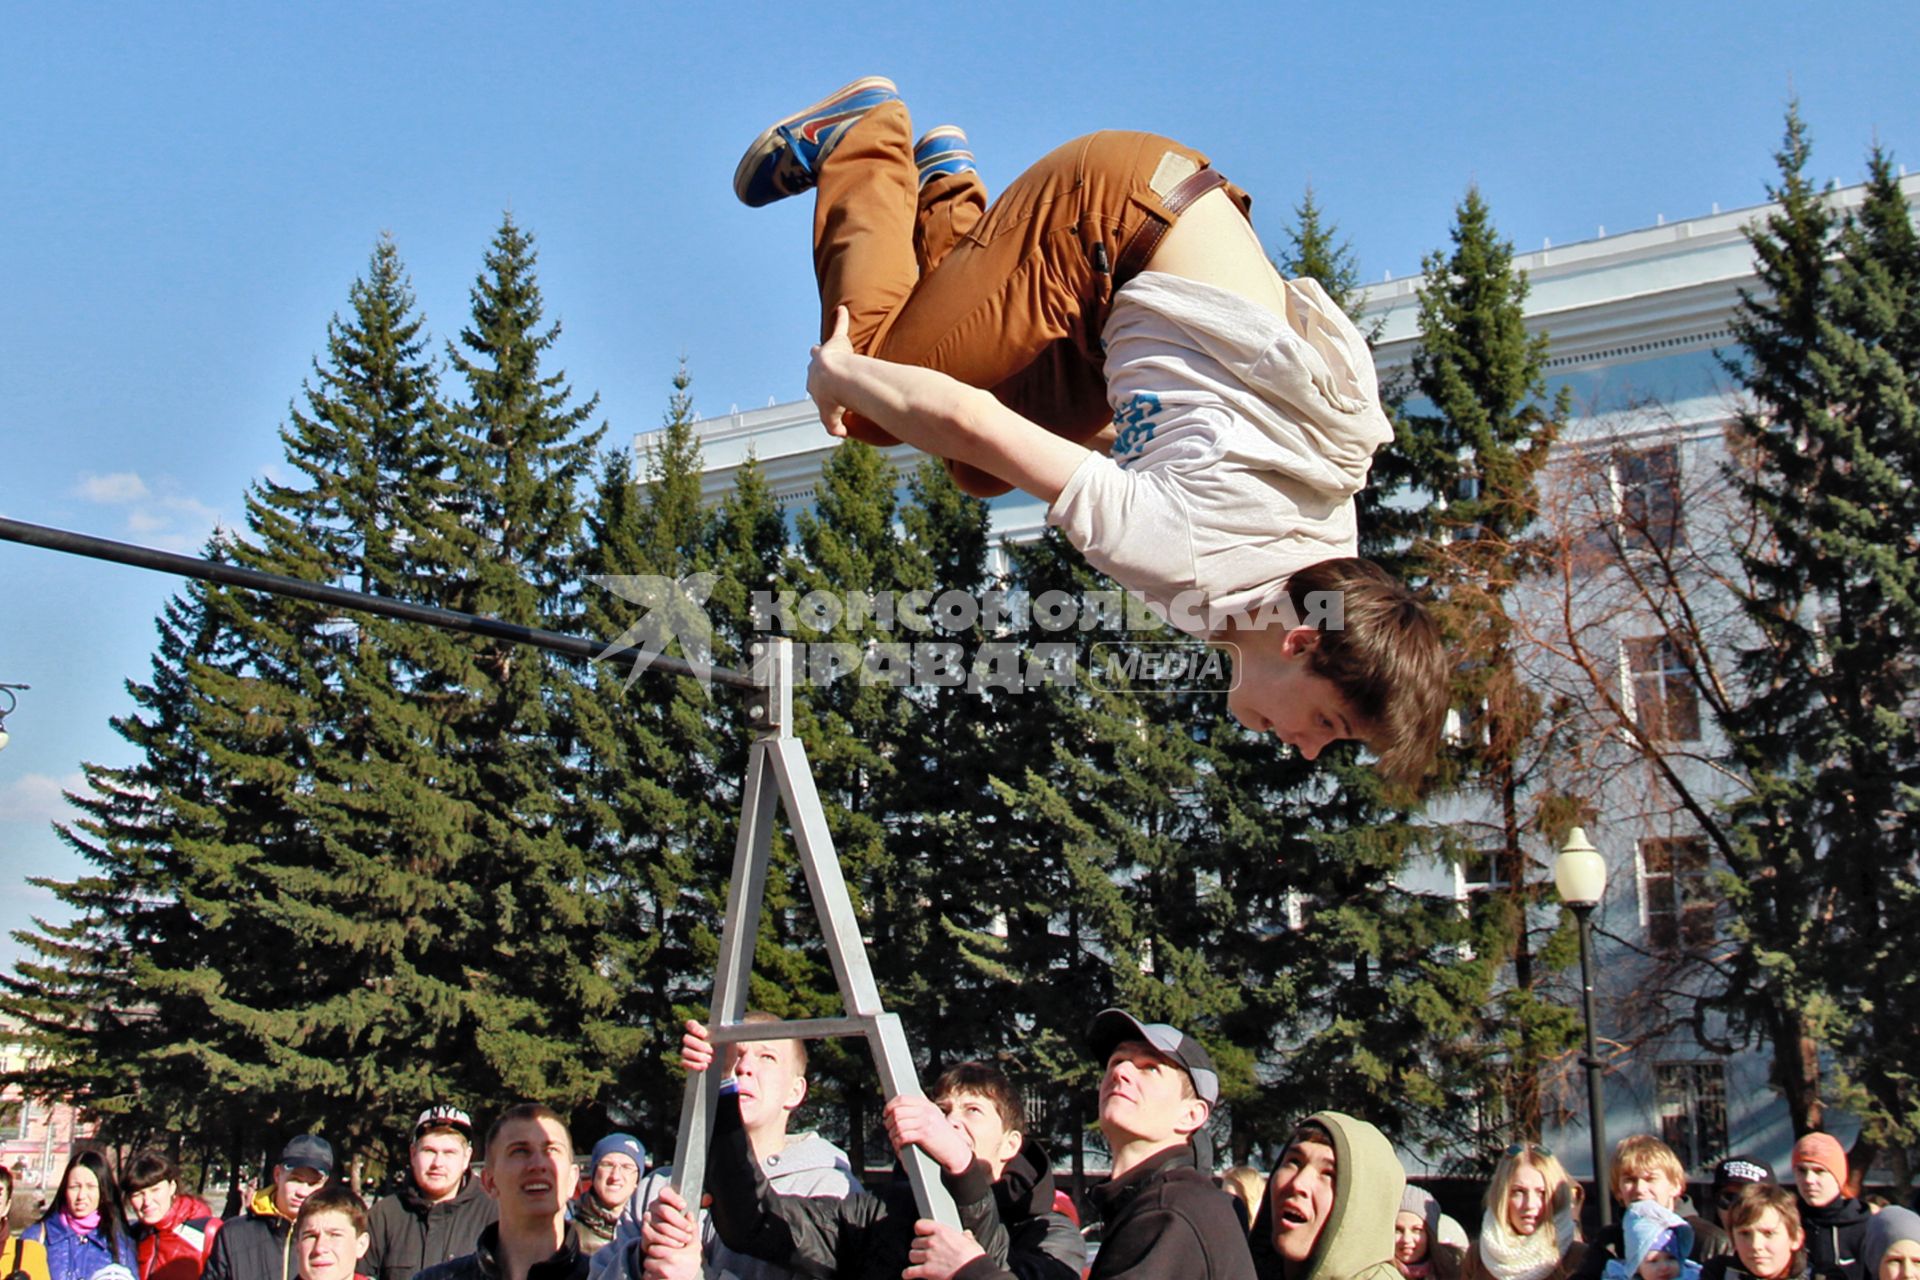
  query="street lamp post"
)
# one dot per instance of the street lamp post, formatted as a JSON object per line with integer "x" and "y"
{"x": 6, "y": 691}
{"x": 1580, "y": 874}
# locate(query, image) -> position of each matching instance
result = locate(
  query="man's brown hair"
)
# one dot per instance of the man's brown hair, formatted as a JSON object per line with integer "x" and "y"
{"x": 335, "y": 1197}
{"x": 1386, "y": 660}
{"x": 983, "y": 1080}
{"x": 525, "y": 1111}
{"x": 1755, "y": 1199}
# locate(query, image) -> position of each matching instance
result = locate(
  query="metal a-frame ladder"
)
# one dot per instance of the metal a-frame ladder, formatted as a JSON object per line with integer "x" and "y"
{"x": 776, "y": 771}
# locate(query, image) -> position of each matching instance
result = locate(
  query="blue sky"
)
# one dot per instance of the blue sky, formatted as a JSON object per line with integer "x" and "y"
{"x": 189, "y": 189}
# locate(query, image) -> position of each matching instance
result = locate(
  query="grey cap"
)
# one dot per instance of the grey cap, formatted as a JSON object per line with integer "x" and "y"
{"x": 1114, "y": 1027}
{"x": 308, "y": 1151}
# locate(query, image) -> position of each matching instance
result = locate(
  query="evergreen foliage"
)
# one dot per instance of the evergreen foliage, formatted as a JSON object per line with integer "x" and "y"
{"x": 1821, "y": 855}
{"x": 1473, "y": 446}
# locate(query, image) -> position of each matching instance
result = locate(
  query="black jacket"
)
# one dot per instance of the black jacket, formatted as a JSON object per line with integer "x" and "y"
{"x": 567, "y": 1263}
{"x": 1165, "y": 1220}
{"x": 1041, "y": 1244}
{"x": 863, "y": 1237}
{"x": 1834, "y": 1234}
{"x": 409, "y": 1235}
{"x": 257, "y": 1247}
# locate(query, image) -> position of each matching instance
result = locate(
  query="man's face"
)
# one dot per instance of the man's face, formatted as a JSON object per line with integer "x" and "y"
{"x": 1765, "y": 1245}
{"x": 1301, "y": 1193}
{"x": 614, "y": 1179}
{"x": 979, "y": 1119}
{"x": 291, "y": 1187}
{"x": 1901, "y": 1261}
{"x": 1526, "y": 1200}
{"x": 1146, "y": 1095}
{"x": 532, "y": 1176}
{"x": 1409, "y": 1238}
{"x": 328, "y": 1247}
{"x": 439, "y": 1161}
{"x": 1818, "y": 1186}
{"x": 150, "y": 1204}
{"x": 771, "y": 1085}
{"x": 1649, "y": 1184}
{"x": 1276, "y": 692}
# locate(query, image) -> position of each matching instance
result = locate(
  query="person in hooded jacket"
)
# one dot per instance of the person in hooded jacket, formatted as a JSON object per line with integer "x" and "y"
{"x": 1654, "y": 1244}
{"x": 1527, "y": 1230}
{"x": 438, "y": 1213}
{"x": 1891, "y": 1248}
{"x": 1331, "y": 1204}
{"x": 173, "y": 1231}
{"x": 84, "y": 1228}
{"x": 771, "y": 1086}
{"x": 1835, "y": 1222}
{"x": 1418, "y": 1250}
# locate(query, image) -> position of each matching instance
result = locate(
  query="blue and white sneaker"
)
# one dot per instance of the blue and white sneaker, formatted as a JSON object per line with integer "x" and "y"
{"x": 942, "y": 149}
{"x": 784, "y": 160}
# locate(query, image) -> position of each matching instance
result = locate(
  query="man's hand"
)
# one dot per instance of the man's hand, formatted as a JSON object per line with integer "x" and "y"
{"x": 696, "y": 1048}
{"x": 833, "y": 414}
{"x": 939, "y": 1251}
{"x": 670, "y": 1239}
{"x": 918, "y": 1122}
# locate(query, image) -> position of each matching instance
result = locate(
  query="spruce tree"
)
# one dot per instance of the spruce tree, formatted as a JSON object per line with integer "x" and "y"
{"x": 647, "y": 750}
{"x": 536, "y": 1004}
{"x": 1473, "y": 450}
{"x": 1822, "y": 728}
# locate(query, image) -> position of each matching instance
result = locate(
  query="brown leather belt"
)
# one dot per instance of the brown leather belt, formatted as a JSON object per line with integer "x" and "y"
{"x": 1139, "y": 250}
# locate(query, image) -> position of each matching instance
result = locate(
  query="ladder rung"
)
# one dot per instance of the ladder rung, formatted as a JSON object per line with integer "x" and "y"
{"x": 795, "y": 1029}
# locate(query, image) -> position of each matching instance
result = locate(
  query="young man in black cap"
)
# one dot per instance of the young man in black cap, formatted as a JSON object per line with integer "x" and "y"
{"x": 1163, "y": 1215}
{"x": 1729, "y": 1176}
{"x": 439, "y": 1212}
{"x": 260, "y": 1245}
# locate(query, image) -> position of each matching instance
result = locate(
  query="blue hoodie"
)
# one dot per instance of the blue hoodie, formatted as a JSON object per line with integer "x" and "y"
{"x": 1641, "y": 1232}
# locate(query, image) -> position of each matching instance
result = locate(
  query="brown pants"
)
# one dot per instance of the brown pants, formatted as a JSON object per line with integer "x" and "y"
{"x": 1011, "y": 299}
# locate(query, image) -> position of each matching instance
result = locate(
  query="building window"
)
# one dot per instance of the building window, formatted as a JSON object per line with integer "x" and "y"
{"x": 1665, "y": 704}
{"x": 1692, "y": 1102}
{"x": 1649, "y": 491}
{"x": 1676, "y": 890}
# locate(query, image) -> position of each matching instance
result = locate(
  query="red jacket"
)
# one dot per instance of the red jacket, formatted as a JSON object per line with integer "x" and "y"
{"x": 178, "y": 1247}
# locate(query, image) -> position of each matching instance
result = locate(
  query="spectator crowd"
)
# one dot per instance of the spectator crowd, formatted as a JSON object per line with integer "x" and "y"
{"x": 779, "y": 1203}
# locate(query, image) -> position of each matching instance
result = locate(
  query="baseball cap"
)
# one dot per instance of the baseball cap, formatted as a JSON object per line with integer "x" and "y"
{"x": 624, "y": 1144}
{"x": 444, "y": 1117}
{"x": 308, "y": 1151}
{"x": 1735, "y": 1169}
{"x": 1114, "y": 1027}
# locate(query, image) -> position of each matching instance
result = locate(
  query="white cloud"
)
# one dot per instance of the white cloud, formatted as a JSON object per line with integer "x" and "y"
{"x": 36, "y": 798}
{"x": 112, "y": 490}
{"x": 157, "y": 514}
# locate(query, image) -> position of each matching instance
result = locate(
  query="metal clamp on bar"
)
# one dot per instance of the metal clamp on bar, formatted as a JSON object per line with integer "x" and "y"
{"x": 770, "y": 707}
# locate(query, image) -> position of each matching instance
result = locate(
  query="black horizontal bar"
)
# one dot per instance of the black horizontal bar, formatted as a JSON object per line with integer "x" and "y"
{"x": 233, "y": 575}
